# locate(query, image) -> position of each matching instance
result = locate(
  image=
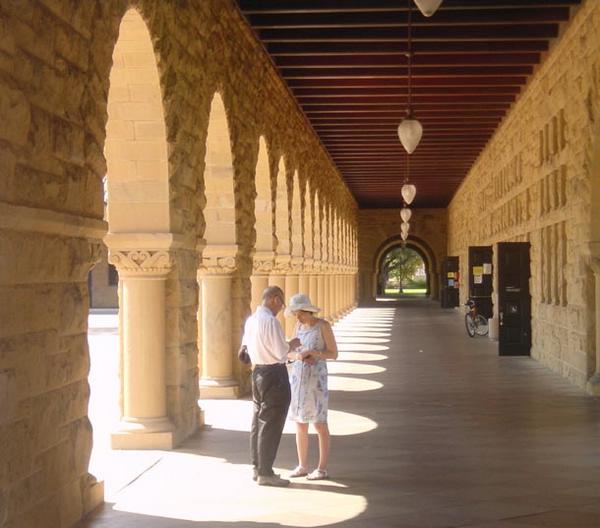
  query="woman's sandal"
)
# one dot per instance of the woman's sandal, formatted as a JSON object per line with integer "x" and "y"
{"x": 298, "y": 472}
{"x": 317, "y": 474}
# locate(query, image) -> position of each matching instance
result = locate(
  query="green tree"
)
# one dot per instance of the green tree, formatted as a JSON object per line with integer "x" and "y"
{"x": 400, "y": 265}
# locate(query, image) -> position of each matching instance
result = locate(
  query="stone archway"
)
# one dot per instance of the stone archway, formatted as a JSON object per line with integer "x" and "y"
{"x": 218, "y": 260}
{"x": 139, "y": 238}
{"x": 382, "y": 278}
{"x": 263, "y": 218}
{"x": 282, "y": 232}
{"x": 418, "y": 245}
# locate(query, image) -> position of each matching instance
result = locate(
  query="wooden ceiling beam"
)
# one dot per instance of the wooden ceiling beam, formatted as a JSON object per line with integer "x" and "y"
{"x": 399, "y": 18}
{"x": 430, "y": 32}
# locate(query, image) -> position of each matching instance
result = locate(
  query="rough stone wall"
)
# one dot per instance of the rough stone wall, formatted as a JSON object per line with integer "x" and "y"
{"x": 533, "y": 182}
{"x": 55, "y": 61}
{"x": 379, "y": 227}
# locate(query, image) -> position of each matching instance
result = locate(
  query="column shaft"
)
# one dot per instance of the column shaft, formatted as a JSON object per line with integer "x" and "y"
{"x": 217, "y": 346}
{"x": 144, "y": 424}
{"x": 291, "y": 288}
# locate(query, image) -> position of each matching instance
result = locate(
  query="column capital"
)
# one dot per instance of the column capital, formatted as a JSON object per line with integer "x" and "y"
{"x": 296, "y": 264}
{"x": 218, "y": 260}
{"x": 263, "y": 262}
{"x": 282, "y": 264}
{"x": 141, "y": 262}
{"x": 309, "y": 265}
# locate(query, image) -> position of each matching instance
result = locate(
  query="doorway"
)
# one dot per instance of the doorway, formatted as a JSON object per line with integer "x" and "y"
{"x": 514, "y": 299}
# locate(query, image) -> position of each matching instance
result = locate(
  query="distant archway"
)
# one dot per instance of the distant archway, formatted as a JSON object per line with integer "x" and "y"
{"x": 422, "y": 248}
{"x": 398, "y": 274}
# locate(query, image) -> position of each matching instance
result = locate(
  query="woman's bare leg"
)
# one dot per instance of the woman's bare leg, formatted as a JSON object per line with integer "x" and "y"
{"x": 302, "y": 443}
{"x": 324, "y": 443}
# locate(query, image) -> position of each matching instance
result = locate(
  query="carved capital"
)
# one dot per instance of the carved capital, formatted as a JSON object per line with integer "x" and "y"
{"x": 214, "y": 265}
{"x": 140, "y": 262}
{"x": 218, "y": 260}
{"x": 262, "y": 265}
{"x": 282, "y": 264}
{"x": 297, "y": 264}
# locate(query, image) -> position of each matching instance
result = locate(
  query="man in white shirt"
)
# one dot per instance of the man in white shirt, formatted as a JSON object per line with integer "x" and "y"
{"x": 268, "y": 351}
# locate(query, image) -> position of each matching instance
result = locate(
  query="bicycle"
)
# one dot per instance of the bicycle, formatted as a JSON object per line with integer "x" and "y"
{"x": 474, "y": 321}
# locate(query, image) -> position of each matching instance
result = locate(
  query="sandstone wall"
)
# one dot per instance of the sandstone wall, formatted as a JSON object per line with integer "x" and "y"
{"x": 55, "y": 61}
{"x": 535, "y": 182}
{"x": 380, "y": 228}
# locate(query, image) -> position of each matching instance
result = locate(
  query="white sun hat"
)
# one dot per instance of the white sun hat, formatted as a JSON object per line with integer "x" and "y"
{"x": 300, "y": 301}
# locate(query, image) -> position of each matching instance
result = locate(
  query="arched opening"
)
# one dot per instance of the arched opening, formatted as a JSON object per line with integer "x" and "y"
{"x": 402, "y": 273}
{"x": 136, "y": 206}
{"x": 418, "y": 245}
{"x": 215, "y": 326}
{"x": 292, "y": 279}
{"x": 263, "y": 215}
{"x": 282, "y": 233}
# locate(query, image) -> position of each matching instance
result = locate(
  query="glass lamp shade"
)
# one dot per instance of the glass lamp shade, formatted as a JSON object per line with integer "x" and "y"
{"x": 408, "y": 191}
{"x": 428, "y": 7}
{"x": 404, "y": 236}
{"x": 404, "y": 227}
{"x": 410, "y": 132}
{"x": 405, "y": 214}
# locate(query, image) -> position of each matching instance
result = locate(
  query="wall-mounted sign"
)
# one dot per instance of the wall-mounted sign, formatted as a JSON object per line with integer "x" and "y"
{"x": 487, "y": 268}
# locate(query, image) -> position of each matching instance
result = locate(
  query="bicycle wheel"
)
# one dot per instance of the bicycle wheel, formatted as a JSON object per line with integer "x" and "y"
{"x": 481, "y": 325}
{"x": 470, "y": 324}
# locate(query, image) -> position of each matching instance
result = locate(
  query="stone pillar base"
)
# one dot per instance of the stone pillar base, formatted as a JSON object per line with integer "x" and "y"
{"x": 151, "y": 433}
{"x": 593, "y": 385}
{"x": 219, "y": 389}
{"x": 93, "y": 494}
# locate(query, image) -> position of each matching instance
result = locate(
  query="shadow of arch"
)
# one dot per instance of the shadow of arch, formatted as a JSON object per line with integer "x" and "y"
{"x": 422, "y": 248}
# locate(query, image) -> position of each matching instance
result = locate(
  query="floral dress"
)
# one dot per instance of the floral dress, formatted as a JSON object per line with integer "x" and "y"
{"x": 309, "y": 382}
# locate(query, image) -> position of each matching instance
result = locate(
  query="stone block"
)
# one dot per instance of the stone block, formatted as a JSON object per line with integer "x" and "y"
{"x": 8, "y": 396}
{"x": 15, "y": 116}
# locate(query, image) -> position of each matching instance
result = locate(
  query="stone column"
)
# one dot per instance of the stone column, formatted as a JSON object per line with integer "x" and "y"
{"x": 304, "y": 278}
{"x": 593, "y": 384}
{"x": 144, "y": 424}
{"x": 333, "y": 308}
{"x": 313, "y": 287}
{"x": 321, "y": 291}
{"x": 292, "y": 286}
{"x": 277, "y": 278}
{"x": 262, "y": 266}
{"x": 217, "y": 380}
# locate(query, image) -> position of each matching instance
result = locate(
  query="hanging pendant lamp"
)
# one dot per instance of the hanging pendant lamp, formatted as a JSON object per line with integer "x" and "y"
{"x": 405, "y": 214}
{"x": 408, "y": 191}
{"x": 404, "y": 227}
{"x": 410, "y": 132}
{"x": 428, "y": 7}
{"x": 404, "y": 236}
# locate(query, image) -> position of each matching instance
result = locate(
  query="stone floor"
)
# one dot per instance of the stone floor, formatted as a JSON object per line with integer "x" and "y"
{"x": 430, "y": 428}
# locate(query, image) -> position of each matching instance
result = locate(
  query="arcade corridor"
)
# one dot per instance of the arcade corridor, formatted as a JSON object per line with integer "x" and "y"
{"x": 430, "y": 428}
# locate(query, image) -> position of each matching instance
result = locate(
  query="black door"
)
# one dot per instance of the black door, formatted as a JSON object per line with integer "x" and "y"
{"x": 480, "y": 279}
{"x": 514, "y": 301}
{"x": 449, "y": 282}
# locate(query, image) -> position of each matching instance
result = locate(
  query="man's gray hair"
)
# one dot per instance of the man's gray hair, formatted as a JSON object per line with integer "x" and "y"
{"x": 272, "y": 291}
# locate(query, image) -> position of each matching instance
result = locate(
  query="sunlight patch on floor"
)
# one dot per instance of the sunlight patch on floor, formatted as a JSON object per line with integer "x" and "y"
{"x": 183, "y": 486}
{"x": 236, "y": 415}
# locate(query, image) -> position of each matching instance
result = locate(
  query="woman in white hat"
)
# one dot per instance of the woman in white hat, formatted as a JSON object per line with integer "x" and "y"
{"x": 308, "y": 380}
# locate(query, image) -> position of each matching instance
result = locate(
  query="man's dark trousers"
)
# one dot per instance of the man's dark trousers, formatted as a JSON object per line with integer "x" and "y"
{"x": 271, "y": 396}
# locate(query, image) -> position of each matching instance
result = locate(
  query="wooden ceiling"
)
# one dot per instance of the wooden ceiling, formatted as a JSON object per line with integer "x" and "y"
{"x": 345, "y": 62}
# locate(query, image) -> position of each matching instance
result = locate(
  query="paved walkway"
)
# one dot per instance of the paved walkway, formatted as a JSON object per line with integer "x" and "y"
{"x": 430, "y": 429}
